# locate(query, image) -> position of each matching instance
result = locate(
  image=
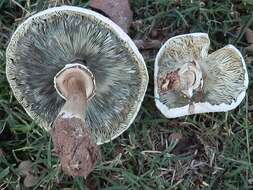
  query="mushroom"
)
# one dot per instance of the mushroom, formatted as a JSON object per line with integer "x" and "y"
{"x": 188, "y": 80}
{"x": 79, "y": 76}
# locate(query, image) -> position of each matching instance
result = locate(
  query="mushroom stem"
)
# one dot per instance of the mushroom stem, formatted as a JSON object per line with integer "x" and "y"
{"x": 76, "y": 98}
{"x": 72, "y": 141}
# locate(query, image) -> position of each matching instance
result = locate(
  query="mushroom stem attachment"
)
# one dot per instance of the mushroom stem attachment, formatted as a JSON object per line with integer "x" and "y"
{"x": 72, "y": 141}
{"x": 185, "y": 80}
{"x": 76, "y": 100}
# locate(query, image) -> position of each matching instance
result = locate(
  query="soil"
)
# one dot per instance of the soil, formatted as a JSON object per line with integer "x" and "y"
{"x": 74, "y": 145}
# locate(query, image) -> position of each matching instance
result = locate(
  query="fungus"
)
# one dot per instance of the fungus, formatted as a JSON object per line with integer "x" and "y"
{"x": 188, "y": 80}
{"x": 79, "y": 76}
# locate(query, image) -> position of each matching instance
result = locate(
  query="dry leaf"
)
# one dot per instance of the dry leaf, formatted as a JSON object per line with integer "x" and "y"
{"x": 249, "y": 36}
{"x": 137, "y": 24}
{"x": 118, "y": 10}
{"x": 148, "y": 44}
{"x": 249, "y": 49}
{"x": 30, "y": 180}
{"x": 25, "y": 167}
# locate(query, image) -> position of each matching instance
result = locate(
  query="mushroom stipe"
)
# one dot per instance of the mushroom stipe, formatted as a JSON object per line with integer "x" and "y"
{"x": 78, "y": 153}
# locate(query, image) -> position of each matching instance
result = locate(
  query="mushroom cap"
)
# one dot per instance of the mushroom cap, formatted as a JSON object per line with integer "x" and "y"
{"x": 215, "y": 82}
{"x": 49, "y": 40}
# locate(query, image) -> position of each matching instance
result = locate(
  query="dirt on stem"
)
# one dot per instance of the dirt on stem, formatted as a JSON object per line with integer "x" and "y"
{"x": 74, "y": 145}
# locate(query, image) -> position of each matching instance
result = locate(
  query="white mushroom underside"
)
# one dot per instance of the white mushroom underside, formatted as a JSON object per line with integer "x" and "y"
{"x": 101, "y": 135}
{"x": 227, "y": 65}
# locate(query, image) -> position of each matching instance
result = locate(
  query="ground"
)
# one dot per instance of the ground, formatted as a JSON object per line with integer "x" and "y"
{"x": 205, "y": 151}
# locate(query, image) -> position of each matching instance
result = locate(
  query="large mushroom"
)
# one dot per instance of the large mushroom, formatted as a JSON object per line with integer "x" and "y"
{"x": 188, "y": 80}
{"x": 79, "y": 76}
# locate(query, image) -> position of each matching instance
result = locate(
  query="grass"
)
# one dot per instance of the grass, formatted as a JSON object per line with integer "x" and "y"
{"x": 216, "y": 149}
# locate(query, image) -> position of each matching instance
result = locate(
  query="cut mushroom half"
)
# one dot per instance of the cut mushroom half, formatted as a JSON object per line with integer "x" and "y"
{"x": 79, "y": 76}
{"x": 188, "y": 80}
